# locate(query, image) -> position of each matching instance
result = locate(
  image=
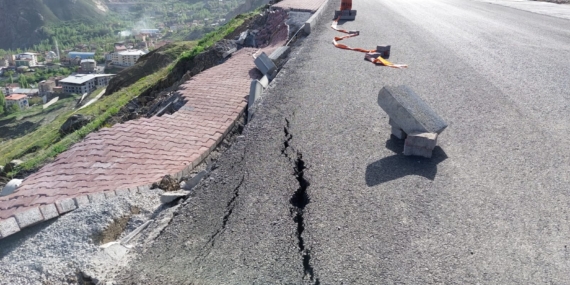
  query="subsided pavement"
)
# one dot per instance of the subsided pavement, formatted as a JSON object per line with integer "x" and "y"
{"x": 317, "y": 192}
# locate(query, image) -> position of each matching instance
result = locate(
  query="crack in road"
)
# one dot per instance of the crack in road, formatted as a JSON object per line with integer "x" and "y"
{"x": 299, "y": 201}
{"x": 229, "y": 210}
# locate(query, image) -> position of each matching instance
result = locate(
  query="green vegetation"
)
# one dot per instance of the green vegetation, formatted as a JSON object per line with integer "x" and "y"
{"x": 2, "y": 102}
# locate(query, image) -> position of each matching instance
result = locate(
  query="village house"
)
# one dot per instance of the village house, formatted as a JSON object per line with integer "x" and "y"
{"x": 20, "y": 100}
{"x": 26, "y": 59}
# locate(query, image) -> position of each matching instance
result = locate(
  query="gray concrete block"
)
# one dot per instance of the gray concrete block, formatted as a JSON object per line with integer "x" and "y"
{"x": 417, "y": 151}
{"x": 229, "y": 52}
{"x": 8, "y": 227}
{"x": 65, "y": 205}
{"x": 399, "y": 133}
{"x": 122, "y": 192}
{"x": 255, "y": 91}
{"x": 81, "y": 201}
{"x": 384, "y": 51}
{"x": 49, "y": 211}
{"x": 345, "y": 15}
{"x": 279, "y": 54}
{"x": 423, "y": 140}
{"x": 264, "y": 81}
{"x": 191, "y": 183}
{"x": 110, "y": 194}
{"x": 168, "y": 197}
{"x": 96, "y": 197}
{"x": 265, "y": 65}
{"x": 29, "y": 217}
{"x": 409, "y": 111}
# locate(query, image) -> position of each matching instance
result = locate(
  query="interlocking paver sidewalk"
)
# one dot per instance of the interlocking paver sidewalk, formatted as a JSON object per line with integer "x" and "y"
{"x": 141, "y": 152}
{"x": 300, "y": 5}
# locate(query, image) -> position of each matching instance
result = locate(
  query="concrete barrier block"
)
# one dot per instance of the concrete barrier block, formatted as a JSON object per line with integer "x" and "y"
{"x": 264, "y": 81}
{"x": 417, "y": 151}
{"x": 279, "y": 54}
{"x": 122, "y": 192}
{"x": 409, "y": 111}
{"x": 423, "y": 140}
{"x": 110, "y": 194}
{"x": 8, "y": 227}
{"x": 345, "y": 15}
{"x": 65, "y": 205}
{"x": 265, "y": 65}
{"x": 81, "y": 201}
{"x": 29, "y": 217}
{"x": 49, "y": 211}
{"x": 96, "y": 197}
{"x": 399, "y": 133}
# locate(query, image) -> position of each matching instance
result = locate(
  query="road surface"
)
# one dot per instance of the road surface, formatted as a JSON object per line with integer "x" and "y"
{"x": 316, "y": 192}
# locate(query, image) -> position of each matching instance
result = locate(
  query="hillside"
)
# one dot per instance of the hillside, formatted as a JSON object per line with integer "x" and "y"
{"x": 21, "y": 20}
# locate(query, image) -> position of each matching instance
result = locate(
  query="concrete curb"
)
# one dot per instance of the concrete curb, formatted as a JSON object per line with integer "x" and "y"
{"x": 316, "y": 18}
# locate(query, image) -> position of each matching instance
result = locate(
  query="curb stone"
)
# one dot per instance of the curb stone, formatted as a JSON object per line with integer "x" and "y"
{"x": 8, "y": 227}
{"x": 315, "y": 19}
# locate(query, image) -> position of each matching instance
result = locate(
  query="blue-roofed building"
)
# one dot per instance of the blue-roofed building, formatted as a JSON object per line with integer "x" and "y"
{"x": 82, "y": 55}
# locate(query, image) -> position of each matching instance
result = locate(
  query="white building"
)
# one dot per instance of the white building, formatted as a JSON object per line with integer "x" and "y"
{"x": 26, "y": 59}
{"x": 17, "y": 99}
{"x": 84, "y": 83}
{"x": 127, "y": 58}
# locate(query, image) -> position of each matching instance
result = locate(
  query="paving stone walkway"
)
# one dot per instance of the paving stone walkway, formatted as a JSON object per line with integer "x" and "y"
{"x": 141, "y": 152}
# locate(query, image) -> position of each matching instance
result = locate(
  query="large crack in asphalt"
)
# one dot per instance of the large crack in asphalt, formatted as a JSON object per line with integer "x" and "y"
{"x": 299, "y": 201}
{"x": 229, "y": 210}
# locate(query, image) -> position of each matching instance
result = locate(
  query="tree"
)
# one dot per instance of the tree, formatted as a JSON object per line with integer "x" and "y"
{"x": 2, "y": 102}
{"x": 14, "y": 108}
{"x": 23, "y": 81}
{"x": 10, "y": 73}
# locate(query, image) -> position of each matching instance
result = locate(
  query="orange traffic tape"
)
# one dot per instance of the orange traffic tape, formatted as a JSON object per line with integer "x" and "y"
{"x": 371, "y": 55}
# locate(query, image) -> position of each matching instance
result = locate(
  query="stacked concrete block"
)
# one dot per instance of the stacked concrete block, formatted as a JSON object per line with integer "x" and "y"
{"x": 266, "y": 65}
{"x": 420, "y": 144}
{"x": 122, "y": 192}
{"x": 29, "y": 217}
{"x": 8, "y": 227}
{"x": 412, "y": 119}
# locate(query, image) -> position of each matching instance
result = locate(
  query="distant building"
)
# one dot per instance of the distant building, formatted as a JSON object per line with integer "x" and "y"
{"x": 26, "y": 59}
{"x": 88, "y": 65}
{"x": 127, "y": 58}
{"x": 4, "y": 62}
{"x": 109, "y": 57}
{"x": 17, "y": 99}
{"x": 149, "y": 31}
{"x": 9, "y": 89}
{"x": 84, "y": 83}
{"x": 120, "y": 47}
{"x": 45, "y": 88}
{"x": 30, "y": 92}
{"x": 81, "y": 55}
{"x": 51, "y": 55}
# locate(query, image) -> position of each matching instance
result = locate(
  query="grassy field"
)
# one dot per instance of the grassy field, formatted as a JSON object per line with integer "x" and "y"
{"x": 44, "y": 143}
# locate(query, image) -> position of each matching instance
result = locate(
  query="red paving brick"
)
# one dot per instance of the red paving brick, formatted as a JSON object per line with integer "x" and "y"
{"x": 140, "y": 152}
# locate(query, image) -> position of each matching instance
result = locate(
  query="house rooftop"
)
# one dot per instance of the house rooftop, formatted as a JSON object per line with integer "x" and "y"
{"x": 82, "y": 78}
{"x": 87, "y": 60}
{"x": 16, "y": 97}
{"x": 132, "y": 52}
{"x": 26, "y": 90}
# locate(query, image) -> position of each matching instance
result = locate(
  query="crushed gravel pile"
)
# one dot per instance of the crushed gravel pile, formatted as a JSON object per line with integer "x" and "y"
{"x": 56, "y": 252}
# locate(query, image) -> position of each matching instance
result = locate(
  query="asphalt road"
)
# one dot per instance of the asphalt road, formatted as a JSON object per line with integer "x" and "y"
{"x": 491, "y": 206}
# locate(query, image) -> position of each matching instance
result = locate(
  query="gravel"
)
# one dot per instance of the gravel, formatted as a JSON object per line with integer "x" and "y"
{"x": 56, "y": 252}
